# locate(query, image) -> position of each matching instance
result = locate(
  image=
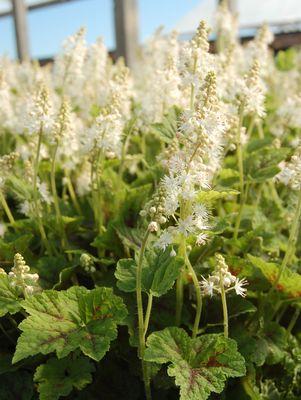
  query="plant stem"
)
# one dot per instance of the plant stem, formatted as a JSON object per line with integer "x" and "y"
{"x": 241, "y": 174}
{"x": 6, "y": 209}
{"x": 180, "y": 286}
{"x": 179, "y": 298}
{"x": 291, "y": 243}
{"x": 249, "y": 388}
{"x": 198, "y": 296}
{"x": 94, "y": 190}
{"x": 56, "y": 200}
{"x": 192, "y": 86}
{"x": 125, "y": 147}
{"x": 141, "y": 326}
{"x": 148, "y": 313}
{"x": 224, "y": 303}
{"x": 53, "y": 188}
{"x": 293, "y": 321}
{"x": 35, "y": 193}
{"x": 72, "y": 194}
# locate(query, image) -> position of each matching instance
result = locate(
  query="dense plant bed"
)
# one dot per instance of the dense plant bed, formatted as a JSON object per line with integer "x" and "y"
{"x": 150, "y": 222}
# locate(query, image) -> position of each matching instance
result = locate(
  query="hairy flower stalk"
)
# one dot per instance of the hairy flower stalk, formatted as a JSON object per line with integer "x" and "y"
{"x": 223, "y": 282}
{"x": 291, "y": 176}
{"x": 250, "y": 102}
{"x": 39, "y": 119}
{"x": 60, "y": 128}
{"x": 6, "y": 165}
{"x": 226, "y": 27}
{"x": 142, "y": 327}
{"x": 104, "y": 141}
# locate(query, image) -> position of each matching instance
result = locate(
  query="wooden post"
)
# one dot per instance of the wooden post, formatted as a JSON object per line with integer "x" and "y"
{"x": 126, "y": 30}
{"x": 20, "y": 22}
{"x": 232, "y": 4}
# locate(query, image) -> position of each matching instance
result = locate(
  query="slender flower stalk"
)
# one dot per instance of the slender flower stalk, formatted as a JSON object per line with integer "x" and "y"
{"x": 293, "y": 321}
{"x": 148, "y": 313}
{"x": 198, "y": 296}
{"x": 72, "y": 193}
{"x": 224, "y": 303}
{"x": 142, "y": 327}
{"x": 291, "y": 244}
{"x": 35, "y": 193}
{"x": 223, "y": 282}
{"x": 7, "y": 209}
{"x": 60, "y": 129}
{"x": 241, "y": 173}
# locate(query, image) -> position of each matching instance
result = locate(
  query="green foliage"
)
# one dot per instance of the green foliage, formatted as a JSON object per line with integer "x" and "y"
{"x": 200, "y": 366}
{"x": 117, "y": 163}
{"x": 289, "y": 284}
{"x": 159, "y": 272}
{"x": 68, "y": 320}
{"x": 286, "y": 60}
{"x": 57, "y": 378}
{"x": 16, "y": 385}
{"x": 9, "y": 299}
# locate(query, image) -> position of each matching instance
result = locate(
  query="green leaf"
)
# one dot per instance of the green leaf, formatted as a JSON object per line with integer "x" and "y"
{"x": 253, "y": 348}
{"x": 258, "y": 144}
{"x": 264, "y": 174}
{"x": 68, "y": 320}
{"x": 286, "y": 60}
{"x": 211, "y": 196}
{"x": 269, "y": 391}
{"x": 159, "y": 272}
{"x": 57, "y": 378}
{"x": 65, "y": 276}
{"x": 238, "y": 306}
{"x": 290, "y": 282}
{"x": 9, "y": 301}
{"x": 166, "y": 130}
{"x": 20, "y": 245}
{"x": 131, "y": 238}
{"x": 228, "y": 177}
{"x": 200, "y": 366}
{"x": 276, "y": 338}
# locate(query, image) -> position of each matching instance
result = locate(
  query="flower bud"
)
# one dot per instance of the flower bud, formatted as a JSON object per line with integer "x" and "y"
{"x": 162, "y": 220}
{"x": 173, "y": 253}
{"x": 153, "y": 226}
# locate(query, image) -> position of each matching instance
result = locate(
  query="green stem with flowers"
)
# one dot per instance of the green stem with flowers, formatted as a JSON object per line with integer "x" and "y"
{"x": 142, "y": 326}
{"x": 35, "y": 193}
{"x": 241, "y": 173}
{"x": 291, "y": 244}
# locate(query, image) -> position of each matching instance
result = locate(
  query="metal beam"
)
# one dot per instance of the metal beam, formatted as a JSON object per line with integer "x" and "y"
{"x": 36, "y": 6}
{"x": 126, "y": 29}
{"x": 20, "y": 23}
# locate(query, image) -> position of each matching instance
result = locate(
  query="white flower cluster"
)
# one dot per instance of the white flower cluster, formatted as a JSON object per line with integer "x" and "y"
{"x": 191, "y": 162}
{"x": 6, "y": 165}
{"x": 84, "y": 103}
{"x": 226, "y": 25}
{"x": 223, "y": 277}
{"x": 290, "y": 174}
{"x": 20, "y": 277}
{"x": 157, "y": 78}
{"x": 40, "y": 114}
{"x": 253, "y": 92}
{"x": 87, "y": 262}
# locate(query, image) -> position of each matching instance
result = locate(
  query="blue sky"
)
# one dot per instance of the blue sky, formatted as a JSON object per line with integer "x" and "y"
{"x": 49, "y": 26}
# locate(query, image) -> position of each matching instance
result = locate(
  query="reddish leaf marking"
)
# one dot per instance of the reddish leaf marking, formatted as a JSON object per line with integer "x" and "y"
{"x": 212, "y": 362}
